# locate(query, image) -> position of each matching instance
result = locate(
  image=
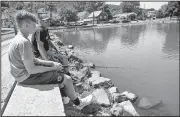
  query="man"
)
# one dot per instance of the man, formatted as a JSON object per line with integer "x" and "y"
{"x": 23, "y": 64}
{"x": 41, "y": 45}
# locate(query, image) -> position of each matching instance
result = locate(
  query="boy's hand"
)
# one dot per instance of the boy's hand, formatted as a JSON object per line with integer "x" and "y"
{"x": 57, "y": 66}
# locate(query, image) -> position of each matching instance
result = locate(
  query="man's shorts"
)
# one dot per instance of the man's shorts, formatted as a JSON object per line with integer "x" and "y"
{"x": 50, "y": 77}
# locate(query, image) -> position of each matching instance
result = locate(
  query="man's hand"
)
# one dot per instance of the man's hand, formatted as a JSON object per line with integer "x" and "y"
{"x": 57, "y": 66}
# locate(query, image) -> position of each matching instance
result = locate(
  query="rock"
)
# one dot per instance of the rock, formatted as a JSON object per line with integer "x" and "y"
{"x": 147, "y": 103}
{"x": 79, "y": 89}
{"x": 101, "y": 97}
{"x": 117, "y": 97}
{"x": 91, "y": 109}
{"x": 116, "y": 110}
{"x": 95, "y": 74}
{"x": 58, "y": 42}
{"x": 130, "y": 96}
{"x": 85, "y": 71}
{"x": 102, "y": 114}
{"x": 79, "y": 74}
{"x": 84, "y": 94}
{"x": 78, "y": 65}
{"x": 113, "y": 90}
{"x": 70, "y": 47}
{"x": 128, "y": 107}
{"x": 100, "y": 82}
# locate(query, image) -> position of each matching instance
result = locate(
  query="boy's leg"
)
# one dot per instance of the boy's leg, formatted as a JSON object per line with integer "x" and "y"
{"x": 54, "y": 77}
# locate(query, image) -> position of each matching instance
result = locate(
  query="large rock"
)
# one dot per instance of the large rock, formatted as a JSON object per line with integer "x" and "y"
{"x": 95, "y": 74}
{"x": 100, "y": 82}
{"x": 147, "y": 102}
{"x": 101, "y": 97}
{"x": 128, "y": 107}
{"x": 118, "y": 98}
{"x": 132, "y": 97}
{"x": 116, "y": 110}
{"x": 113, "y": 90}
{"x": 80, "y": 74}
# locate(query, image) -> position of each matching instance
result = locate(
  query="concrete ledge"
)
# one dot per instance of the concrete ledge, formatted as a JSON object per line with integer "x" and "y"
{"x": 35, "y": 100}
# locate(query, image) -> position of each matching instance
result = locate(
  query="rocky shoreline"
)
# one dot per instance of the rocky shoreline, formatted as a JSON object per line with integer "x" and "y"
{"x": 107, "y": 100}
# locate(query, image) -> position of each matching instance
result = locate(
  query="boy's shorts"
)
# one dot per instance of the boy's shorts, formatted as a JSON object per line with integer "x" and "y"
{"x": 50, "y": 77}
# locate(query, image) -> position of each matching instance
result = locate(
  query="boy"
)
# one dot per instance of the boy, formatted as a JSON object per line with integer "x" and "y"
{"x": 23, "y": 64}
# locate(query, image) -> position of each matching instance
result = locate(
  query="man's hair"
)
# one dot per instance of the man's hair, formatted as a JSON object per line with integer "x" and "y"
{"x": 23, "y": 16}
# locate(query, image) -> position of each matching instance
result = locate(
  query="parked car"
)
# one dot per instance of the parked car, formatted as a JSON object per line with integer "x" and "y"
{"x": 125, "y": 21}
{"x": 81, "y": 23}
{"x": 115, "y": 21}
{"x": 56, "y": 23}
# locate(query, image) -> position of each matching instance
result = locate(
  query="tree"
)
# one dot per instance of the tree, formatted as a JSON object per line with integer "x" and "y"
{"x": 19, "y": 6}
{"x": 151, "y": 9}
{"x": 172, "y": 9}
{"x": 130, "y": 6}
{"x": 107, "y": 11}
{"x": 4, "y": 4}
{"x": 68, "y": 14}
{"x": 79, "y": 5}
{"x": 93, "y": 6}
{"x": 159, "y": 14}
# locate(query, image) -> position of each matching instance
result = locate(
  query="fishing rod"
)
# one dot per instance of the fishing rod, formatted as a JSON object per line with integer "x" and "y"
{"x": 96, "y": 66}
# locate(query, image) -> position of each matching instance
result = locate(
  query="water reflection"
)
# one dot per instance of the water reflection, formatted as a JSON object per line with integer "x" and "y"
{"x": 96, "y": 39}
{"x": 130, "y": 35}
{"x": 171, "y": 45}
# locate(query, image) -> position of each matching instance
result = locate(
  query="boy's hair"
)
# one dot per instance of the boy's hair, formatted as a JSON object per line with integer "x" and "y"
{"x": 24, "y": 15}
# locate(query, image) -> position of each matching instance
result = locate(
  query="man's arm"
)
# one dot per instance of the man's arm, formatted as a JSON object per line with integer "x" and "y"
{"x": 52, "y": 45}
{"x": 40, "y": 46}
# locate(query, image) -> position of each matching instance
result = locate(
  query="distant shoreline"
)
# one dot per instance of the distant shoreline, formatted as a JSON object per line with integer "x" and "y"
{"x": 10, "y": 35}
{"x": 60, "y": 29}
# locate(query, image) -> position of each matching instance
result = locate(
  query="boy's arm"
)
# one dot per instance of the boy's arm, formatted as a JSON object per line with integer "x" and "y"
{"x": 45, "y": 62}
{"x": 28, "y": 60}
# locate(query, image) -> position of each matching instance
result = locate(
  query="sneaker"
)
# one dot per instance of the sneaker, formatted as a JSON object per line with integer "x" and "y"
{"x": 84, "y": 102}
{"x": 65, "y": 100}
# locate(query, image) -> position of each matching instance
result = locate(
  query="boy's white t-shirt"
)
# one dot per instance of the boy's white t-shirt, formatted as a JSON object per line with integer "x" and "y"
{"x": 19, "y": 50}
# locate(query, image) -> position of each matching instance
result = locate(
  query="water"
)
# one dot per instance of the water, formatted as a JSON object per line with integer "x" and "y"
{"x": 151, "y": 51}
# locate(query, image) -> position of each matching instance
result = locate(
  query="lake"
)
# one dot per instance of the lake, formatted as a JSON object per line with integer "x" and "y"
{"x": 147, "y": 54}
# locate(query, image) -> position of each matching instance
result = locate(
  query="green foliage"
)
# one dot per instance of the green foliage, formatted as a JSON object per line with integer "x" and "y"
{"x": 93, "y": 6}
{"x": 159, "y": 14}
{"x": 130, "y": 6}
{"x": 170, "y": 9}
{"x": 19, "y": 6}
{"x": 4, "y": 4}
{"x": 68, "y": 15}
{"x": 107, "y": 11}
{"x": 115, "y": 9}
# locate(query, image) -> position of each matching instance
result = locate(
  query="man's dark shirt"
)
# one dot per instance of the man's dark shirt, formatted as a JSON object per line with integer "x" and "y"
{"x": 44, "y": 35}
